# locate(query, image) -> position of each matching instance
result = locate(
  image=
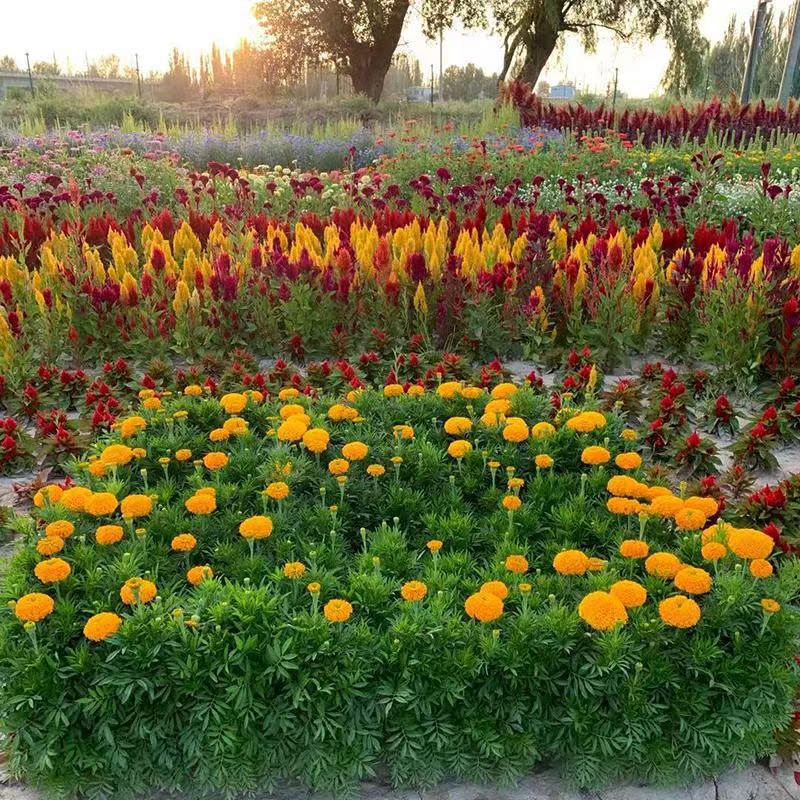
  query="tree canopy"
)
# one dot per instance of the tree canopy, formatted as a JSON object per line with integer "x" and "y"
{"x": 358, "y": 37}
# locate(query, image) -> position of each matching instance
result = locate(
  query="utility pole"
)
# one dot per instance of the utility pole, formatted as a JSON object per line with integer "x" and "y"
{"x": 441, "y": 35}
{"x": 752, "y": 56}
{"x": 614, "y": 99}
{"x": 792, "y": 54}
{"x": 30, "y": 74}
{"x": 138, "y": 77}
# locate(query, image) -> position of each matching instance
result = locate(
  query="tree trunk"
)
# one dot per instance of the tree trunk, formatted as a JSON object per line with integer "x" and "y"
{"x": 538, "y": 48}
{"x": 368, "y": 80}
{"x": 369, "y": 63}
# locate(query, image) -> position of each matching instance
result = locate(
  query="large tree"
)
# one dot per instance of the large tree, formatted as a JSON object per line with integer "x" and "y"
{"x": 532, "y": 29}
{"x": 358, "y": 37}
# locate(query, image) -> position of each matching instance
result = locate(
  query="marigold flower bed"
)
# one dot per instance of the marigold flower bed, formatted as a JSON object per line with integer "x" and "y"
{"x": 453, "y": 582}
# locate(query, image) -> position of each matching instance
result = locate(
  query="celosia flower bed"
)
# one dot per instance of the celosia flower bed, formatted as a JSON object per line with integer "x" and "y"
{"x": 526, "y": 284}
{"x": 450, "y": 581}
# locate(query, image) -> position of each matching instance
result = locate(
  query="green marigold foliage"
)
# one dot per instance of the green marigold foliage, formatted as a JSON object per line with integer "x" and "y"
{"x": 247, "y": 678}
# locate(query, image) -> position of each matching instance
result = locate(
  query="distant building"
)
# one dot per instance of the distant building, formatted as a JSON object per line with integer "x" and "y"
{"x": 421, "y": 94}
{"x": 562, "y": 91}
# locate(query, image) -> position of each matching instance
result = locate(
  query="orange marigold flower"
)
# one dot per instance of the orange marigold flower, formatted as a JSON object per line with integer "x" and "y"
{"x": 692, "y": 580}
{"x": 236, "y": 426}
{"x": 233, "y": 403}
{"x": 595, "y": 455}
{"x": 459, "y": 448}
{"x": 516, "y": 433}
{"x": 277, "y": 490}
{"x": 448, "y": 389}
{"x": 201, "y": 503}
{"x": 193, "y": 390}
{"x": 215, "y": 460}
{"x": 629, "y": 435}
{"x": 116, "y": 455}
{"x": 257, "y": 527}
{"x": 622, "y": 486}
{"x": 713, "y": 551}
{"x": 663, "y": 565}
{"x": 760, "y": 568}
{"x": 97, "y": 469}
{"x": 707, "y": 505}
{"x": 342, "y": 413}
{"x": 137, "y": 590}
{"x": 62, "y": 528}
{"x": 750, "y": 543}
{"x": 770, "y": 606}
{"x": 316, "y": 440}
{"x": 679, "y": 611}
{"x": 313, "y": 588}
{"x": 290, "y": 410}
{"x": 294, "y": 569}
{"x": 75, "y": 498}
{"x": 131, "y": 426}
{"x": 602, "y": 611}
{"x": 100, "y": 626}
{"x": 196, "y": 575}
{"x": 219, "y": 435}
{"x": 52, "y": 570}
{"x": 376, "y": 470}
{"x": 108, "y": 534}
{"x": 634, "y": 548}
{"x": 136, "y": 505}
{"x": 183, "y": 455}
{"x": 492, "y": 420}
{"x": 503, "y": 391}
{"x": 403, "y": 432}
{"x": 623, "y": 506}
{"x": 571, "y": 562}
{"x": 393, "y": 390}
{"x": 542, "y": 430}
{"x": 717, "y": 532}
{"x": 51, "y": 493}
{"x": 434, "y": 545}
{"x": 458, "y": 426}
{"x": 484, "y": 606}
{"x": 338, "y": 466}
{"x": 413, "y": 591}
{"x": 497, "y": 588}
{"x": 49, "y": 545}
{"x": 629, "y": 593}
{"x": 101, "y": 504}
{"x": 33, "y": 607}
{"x": 183, "y": 543}
{"x": 597, "y": 564}
{"x": 517, "y": 564}
{"x": 511, "y": 502}
{"x": 586, "y": 422}
{"x": 665, "y": 505}
{"x": 355, "y": 451}
{"x": 292, "y": 429}
{"x": 288, "y": 393}
{"x": 337, "y": 610}
{"x": 628, "y": 461}
{"x": 543, "y": 461}
{"x": 690, "y": 519}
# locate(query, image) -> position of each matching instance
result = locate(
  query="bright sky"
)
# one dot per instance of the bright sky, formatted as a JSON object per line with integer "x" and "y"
{"x": 81, "y": 29}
